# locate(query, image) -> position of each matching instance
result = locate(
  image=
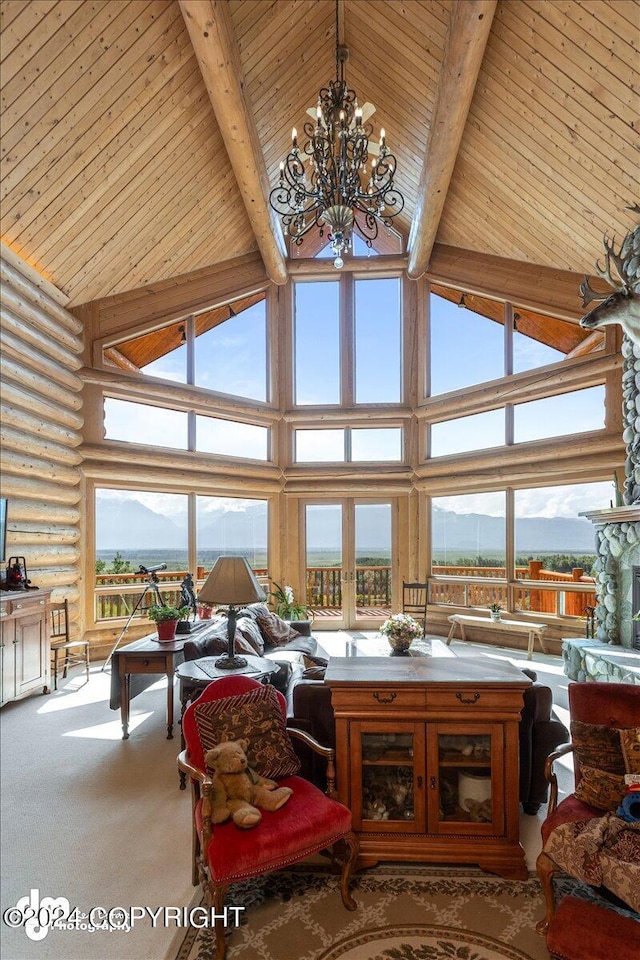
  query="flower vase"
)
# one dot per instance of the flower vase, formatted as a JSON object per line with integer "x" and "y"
{"x": 399, "y": 645}
{"x": 166, "y": 630}
{"x": 495, "y": 616}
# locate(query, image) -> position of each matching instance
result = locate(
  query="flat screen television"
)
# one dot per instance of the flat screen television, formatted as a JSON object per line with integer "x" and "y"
{"x": 3, "y": 530}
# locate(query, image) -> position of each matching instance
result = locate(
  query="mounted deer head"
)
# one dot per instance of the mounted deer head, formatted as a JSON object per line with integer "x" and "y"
{"x": 622, "y": 306}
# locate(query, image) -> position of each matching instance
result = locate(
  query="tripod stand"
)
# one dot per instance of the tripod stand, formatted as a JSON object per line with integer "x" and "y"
{"x": 151, "y": 585}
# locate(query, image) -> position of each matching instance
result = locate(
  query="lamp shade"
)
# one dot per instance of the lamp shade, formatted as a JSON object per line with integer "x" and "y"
{"x": 231, "y": 582}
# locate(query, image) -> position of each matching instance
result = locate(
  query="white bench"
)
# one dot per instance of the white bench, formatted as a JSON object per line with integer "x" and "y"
{"x": 513, "y": 626}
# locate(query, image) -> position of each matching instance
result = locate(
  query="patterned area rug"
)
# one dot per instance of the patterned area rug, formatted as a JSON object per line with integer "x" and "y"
{"x": 405, "y": 912}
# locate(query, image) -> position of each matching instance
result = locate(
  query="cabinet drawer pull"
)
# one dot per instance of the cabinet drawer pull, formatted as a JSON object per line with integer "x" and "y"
{"x": 432, "y": 783}
{"x": 381, "y": 699}
{"x": 419, "y": 782}
{"x": 463, "y": 699}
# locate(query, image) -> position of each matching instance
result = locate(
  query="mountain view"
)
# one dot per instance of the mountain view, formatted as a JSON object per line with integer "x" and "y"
{"x": 126, "y": 525}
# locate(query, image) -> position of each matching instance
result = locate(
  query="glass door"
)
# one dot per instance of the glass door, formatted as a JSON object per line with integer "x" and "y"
{"x": 373, "y": 562}
{"x": 349, "y": 562}
{"x": 387, "y": 782}
{"x": 324, "y": 569}
{"x": 465, "y": 772}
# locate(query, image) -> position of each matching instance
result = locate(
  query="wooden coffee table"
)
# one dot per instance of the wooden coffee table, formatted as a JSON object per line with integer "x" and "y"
{"x": 344, "y": 645}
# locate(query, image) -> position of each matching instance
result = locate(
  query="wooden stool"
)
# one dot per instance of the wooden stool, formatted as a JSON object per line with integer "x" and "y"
{"x": 586, "y": 931}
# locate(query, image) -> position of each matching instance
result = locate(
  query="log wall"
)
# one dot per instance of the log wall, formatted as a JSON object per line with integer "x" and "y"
{"x": 42, "y": 421}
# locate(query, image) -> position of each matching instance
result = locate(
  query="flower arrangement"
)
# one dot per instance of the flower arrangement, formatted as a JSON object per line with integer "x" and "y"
{"x": 159, "y": 613}
{"x": 495, "y": 607}
{"x": 400, "y": 629}
{"x": 286, "y": 607}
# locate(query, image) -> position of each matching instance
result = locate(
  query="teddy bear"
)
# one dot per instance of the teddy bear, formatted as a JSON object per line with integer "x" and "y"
{"x": 238, "y": 790}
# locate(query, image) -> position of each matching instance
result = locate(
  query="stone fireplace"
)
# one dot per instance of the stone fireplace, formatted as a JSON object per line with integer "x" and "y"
{"x": 618, "y": 547}
{"x": 614, "y": 653}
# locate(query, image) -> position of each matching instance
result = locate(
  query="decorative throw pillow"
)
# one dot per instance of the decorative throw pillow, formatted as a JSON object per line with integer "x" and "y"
{"x": 601, "y": 761}
{"x": 597, "y": 746}
{"x": 247, "y": 629}
{"x": 630, "y": 743}
{"x": 255, "y": 715}
{"x": 276, "y": 631}
{"x": 600, "y": 789}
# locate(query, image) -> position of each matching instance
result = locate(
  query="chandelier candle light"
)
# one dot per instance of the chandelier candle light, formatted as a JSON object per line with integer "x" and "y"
{"x": 334, "y": 190}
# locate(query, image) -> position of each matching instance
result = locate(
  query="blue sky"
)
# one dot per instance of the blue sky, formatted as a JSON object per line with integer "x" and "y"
{"x": 465, "y": 349}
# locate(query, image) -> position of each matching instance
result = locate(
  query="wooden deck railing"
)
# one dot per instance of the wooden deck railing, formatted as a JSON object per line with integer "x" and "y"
{"x": 461, "y": 586}
{"x": 116, "y": 594}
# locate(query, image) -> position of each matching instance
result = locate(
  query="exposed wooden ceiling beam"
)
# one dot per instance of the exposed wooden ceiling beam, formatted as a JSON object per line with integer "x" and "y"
{"x": 467, "y": 37}
{"x": 212, "y": 36}
{"x": 546, "y": 290}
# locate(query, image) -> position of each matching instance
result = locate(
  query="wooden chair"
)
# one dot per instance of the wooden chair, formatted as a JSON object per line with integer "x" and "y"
{"x": 414, "y": 601}
{"x": 71, "y": 651}
{"x": 309, "y": 822}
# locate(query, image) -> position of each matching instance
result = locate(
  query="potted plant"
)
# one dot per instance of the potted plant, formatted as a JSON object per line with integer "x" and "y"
{"x": 166, "y": 619}
{"x": 401, "y": 630}
{"x": 286, "y": 607}
{"x": 494, "y": 611}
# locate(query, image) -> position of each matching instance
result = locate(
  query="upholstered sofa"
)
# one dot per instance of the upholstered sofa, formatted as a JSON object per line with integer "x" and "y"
{"x": 540, "y": 734}
{"x": 259, "y": 632}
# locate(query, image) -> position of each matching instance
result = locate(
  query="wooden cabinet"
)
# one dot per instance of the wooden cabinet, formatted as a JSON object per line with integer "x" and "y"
{"x": 24, "y": 644}
{"x": 427, "y": 758}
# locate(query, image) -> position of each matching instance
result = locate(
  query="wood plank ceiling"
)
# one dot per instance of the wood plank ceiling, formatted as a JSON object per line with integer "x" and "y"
{"x": 114, "y": 174}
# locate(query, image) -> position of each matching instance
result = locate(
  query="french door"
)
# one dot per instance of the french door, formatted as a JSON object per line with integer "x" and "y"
{"x": 350, "y": 560}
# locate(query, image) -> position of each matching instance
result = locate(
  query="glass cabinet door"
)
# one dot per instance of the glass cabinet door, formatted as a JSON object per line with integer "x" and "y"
{"x": 465, "y": 772}
{"x": 388, "y": 776}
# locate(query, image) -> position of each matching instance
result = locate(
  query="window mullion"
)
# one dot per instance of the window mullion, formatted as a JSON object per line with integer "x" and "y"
{"x": 347, "y": 340}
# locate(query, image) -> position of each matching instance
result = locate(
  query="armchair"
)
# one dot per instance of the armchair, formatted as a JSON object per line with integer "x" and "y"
{"x": 598, "y": 712}
{"x": 310, "y": 822}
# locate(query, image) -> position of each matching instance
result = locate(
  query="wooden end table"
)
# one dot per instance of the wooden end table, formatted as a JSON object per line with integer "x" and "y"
{"x": 145, "y": 659}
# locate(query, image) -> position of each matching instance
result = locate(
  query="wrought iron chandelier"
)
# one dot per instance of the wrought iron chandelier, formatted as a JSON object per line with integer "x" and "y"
{"x": 325, "y": 183}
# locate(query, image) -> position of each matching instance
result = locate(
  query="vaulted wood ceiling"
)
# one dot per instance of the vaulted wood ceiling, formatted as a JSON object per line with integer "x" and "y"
{"x": 114, "y": 168}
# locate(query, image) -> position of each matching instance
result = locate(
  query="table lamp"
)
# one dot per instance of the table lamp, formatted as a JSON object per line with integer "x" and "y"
{"x": 231, "y": 583}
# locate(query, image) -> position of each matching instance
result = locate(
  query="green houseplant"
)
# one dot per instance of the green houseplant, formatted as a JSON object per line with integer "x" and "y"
{"x": 286, "y": 607}
{"x": 494, "y": 611}
{"x": 166, "y": 618}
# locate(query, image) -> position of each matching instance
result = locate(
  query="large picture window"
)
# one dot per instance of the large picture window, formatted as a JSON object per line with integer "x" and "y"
{"x": 477, "y": 432}
{"x": 231, "y": 438}
{"x": 142, "y": 423}
{"x": 562, "y": 415}
{"x": 466, "y": 348}
{"x": 229, "y": 526}
{"x": 378, "y": 341}
{"x": 317, "y": 342}
{"x": 350, "y": 444}
{"x": 228, "y": 344}
{"x": 231, "y": 357}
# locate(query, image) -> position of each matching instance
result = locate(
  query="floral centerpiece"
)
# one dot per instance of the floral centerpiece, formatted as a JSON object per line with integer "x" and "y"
{"x": 286, "y": 607}
{"x": 400, "y": 630}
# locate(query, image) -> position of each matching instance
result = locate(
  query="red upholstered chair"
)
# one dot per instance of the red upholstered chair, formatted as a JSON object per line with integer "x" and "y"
{"x": 309, "y": 822}
{"x": 614, "y": 705}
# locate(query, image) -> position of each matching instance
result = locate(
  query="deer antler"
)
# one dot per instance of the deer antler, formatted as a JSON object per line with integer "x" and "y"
{"x": 589, "y": 294}
{"x": 618, "y": 263}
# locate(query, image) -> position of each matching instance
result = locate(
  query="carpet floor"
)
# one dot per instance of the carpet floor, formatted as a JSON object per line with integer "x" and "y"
{"x": 405, "y": 912}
